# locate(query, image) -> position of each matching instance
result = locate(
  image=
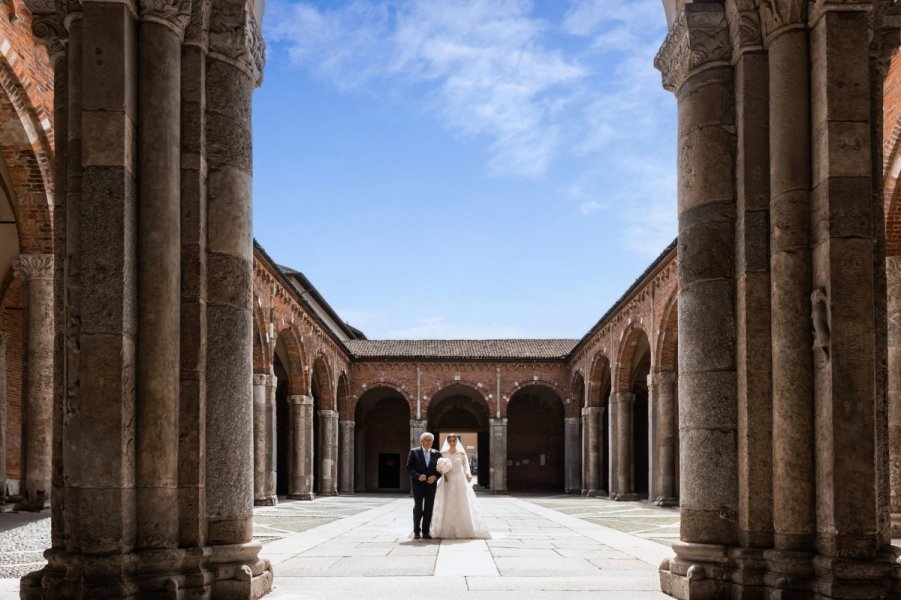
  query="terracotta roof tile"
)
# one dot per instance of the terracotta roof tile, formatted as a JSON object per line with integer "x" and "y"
{"x": 471, "y": 349}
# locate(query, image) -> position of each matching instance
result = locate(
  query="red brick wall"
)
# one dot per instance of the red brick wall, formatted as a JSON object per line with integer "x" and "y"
{"x": 892, "y": 155}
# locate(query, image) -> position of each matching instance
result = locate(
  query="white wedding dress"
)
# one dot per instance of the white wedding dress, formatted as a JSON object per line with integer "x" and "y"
{"x": 456, "y": 513}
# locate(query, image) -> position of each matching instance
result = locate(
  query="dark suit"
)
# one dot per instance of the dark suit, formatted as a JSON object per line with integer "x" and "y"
{"x": 423, "y": 493}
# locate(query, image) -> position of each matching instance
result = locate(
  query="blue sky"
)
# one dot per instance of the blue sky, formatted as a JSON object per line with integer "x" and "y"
{"x": 465, "y": 168}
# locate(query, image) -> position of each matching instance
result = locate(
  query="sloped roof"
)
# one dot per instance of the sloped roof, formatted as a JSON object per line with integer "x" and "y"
{"x": 462, "y": 349}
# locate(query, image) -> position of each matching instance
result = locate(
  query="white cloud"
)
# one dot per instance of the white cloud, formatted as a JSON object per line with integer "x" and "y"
{"x": 591, "y": 206}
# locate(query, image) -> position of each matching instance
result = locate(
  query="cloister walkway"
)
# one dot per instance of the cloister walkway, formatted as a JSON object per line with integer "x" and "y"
{"x": 360, "y": 547}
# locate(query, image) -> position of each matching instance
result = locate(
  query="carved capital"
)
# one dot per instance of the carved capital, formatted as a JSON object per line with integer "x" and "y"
{"x": 744, "y": 27}
{"x": 4, "y": 338}
{"x": 239, "y": 41}
{"x": 622, "y": 398}
{"x": 698, "y": 40}
{"x": 34, "y": 266}
{"x": 778, "y": 16}
{"x": 173, "y": 14}
{"x": 50, "y": 30}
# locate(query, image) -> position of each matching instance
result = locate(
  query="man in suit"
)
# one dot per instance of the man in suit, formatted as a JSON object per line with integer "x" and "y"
{"x": 422, "y": 464}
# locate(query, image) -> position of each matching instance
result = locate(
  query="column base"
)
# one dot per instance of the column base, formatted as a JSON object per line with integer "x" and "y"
{"x": 498, "y": 491}
{"x": 329, "y": 493}
{"x": 345, "y": 492}
{"x": 666, "y": 501}
{"x": 627, "y": 497}
{"x": 232, "y": 572}
{"x": 304, "y": 496}
{"x": 594, "y": 493}
{"x": 696, "y": 572}
{"x": 266, "y": 501}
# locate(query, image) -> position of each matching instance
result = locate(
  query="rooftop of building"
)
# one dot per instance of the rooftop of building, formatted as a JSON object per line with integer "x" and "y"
{"x": 534, "y": 349}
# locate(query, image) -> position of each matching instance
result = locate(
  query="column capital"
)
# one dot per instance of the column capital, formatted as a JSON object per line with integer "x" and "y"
{"x": 267, "y": 379}
{"x": 300, "y": 399}
{"x": 698, "y": 40}
{"x": 173, "y": 14}
{"x": 347, "y": 424}
{"x": 662, "y": 378}
{"x": 782, "y": 16}
{"x": 591, "y": 410}
{"x": 239, "y": 42}
{"x": 34, "y": 266}
{"x": 499, "y": 421}
{"x": 327, "y": 413}
{"x": 414, "y": 423}
{"x": 622, "y": 398}
{"x": 50, "y": 30}
{"x": 572, "y": 420}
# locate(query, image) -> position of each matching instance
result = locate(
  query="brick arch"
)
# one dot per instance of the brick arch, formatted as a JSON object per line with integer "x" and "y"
{"x": 599, "y": 381}
{"x": 666, "y": 349}
{"x": 262, "y": 352}
{"x": 322, "y": 375}
{"x": 355, "y": 399}
{"x": 628, "y": 342}
{"x": 474, "y": 386}
{"x": 297, "y": 379}
{"x": 891, "y": 146}
{"x": 577, "y": 390}
{"x": 537, "y": 383}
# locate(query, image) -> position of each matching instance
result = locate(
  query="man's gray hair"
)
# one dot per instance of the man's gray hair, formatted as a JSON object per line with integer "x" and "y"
{"x": 426, "y": 435}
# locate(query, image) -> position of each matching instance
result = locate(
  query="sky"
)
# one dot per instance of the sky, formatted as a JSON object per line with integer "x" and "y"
{"x": 472, "y": 169}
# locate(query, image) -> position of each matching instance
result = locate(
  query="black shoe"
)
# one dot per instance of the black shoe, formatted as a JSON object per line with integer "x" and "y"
{"x": 416, "y": 535}
{"x": 426, "y": 536}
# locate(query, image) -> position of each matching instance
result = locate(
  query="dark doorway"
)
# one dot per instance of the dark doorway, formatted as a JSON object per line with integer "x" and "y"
{"x": 389, "y": 471}
{"x": 484, "y": 458}
{"x": 535, "y": 443}
{"x": 461, "y": 409}
{"x": 640, "y": 434}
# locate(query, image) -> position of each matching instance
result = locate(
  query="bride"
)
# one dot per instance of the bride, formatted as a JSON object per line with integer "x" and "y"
{"x": 456, "y": 514}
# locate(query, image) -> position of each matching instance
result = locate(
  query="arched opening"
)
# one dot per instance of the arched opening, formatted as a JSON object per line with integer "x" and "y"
{"x": 599, "y": 396}
{"x": 463, "y": 410}
{"x": 641, "y": 439}
{"x": 382, "y": 441}
{"x": 325, "y": 442}
{"x": 535, "y": 440}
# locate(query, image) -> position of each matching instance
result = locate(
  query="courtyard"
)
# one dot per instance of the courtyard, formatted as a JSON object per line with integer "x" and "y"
{"x": 543, "y": 546}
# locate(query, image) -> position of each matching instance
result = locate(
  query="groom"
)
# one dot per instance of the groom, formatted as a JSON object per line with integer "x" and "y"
{"x": 422, "y": 464}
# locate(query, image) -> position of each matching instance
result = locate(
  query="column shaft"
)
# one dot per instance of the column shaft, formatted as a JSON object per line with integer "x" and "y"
{"x": 793, "y": 491}
{"x": 328, "y": 452}
{"x": 573, "y": 455}
{"x": 665, "y": 404}
{"x": 893, "y": 280}
{"x": 499, "y": 455}
{"x": 591, "y": 436}
{"x": 159, "y": 285}
{"x": 3, "y": 411}
{"x": 625, "y": 405}
{"x": 300, "y": 440}
{"x": 264, "y": 475}
{"x": 346, "y": 457}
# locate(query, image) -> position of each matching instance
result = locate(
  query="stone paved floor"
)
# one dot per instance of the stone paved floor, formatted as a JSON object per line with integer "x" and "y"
{"x": 360, "y": 546}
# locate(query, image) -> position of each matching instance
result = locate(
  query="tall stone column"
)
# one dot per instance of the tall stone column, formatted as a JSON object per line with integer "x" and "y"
{"x": 300, "y": 443}
{"x": 346, "y": 457}
{"x": 37, "y": 272}
{"x": 264, "y": 440}
{"x": 663, "y": 388}
{"x": 794, "y": 521}
{"x": 846, "y": 107}
{"x": 695, "y": 61}
{"x": 232, "y": 74}
{"x": 4, "y": 337}
{"x": 572, "y": 455}
{"x": 591, "y": 435}
{"x": 499, "y": 455}
{"x": 417, "y": 428}
{"x": 893, "y": 280}
{"x": 328, "y": 452}
{"x": 612, "y": 445}
{"x": 625, "y": 405}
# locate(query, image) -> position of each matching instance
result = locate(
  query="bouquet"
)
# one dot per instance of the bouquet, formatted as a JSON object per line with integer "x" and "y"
{"x": 443, "y": 465}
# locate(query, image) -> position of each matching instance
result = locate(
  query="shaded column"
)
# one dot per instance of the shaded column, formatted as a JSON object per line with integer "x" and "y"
{"x": 264, "y": 440}
{"x": 893, "y": 296}
{"x": 37, "y": 272}
{"x": 612, "y": 445}
{"x": 300, "y": 447}
{"x": 625, "y": 405}
{"x": 417, "y": 428}
{"x": 591, "y": 436}
{"x": 572, "y": 455}
{"x": 695, "y": 62}
{"x": 346, "y": 457}
{"x": 846, "y": 211}
{"x": 663, "y": 387}
{"x": 4, "y": 337}
{"x": 794, "y": 521}
{"x": 328, "y": 452}
{"x": 499, "y": 455}
{"x": 232, "y": 75}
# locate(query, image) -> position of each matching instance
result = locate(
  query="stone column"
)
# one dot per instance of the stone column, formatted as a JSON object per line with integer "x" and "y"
{"x": 663, "y": 388}
{"x": 300, "y": 443}
{"x": 499, "y": 455}
{"x": 793, "y": 465}
{"x": 591, "y": 435}
{"x": 893, "y": 280}
{"x": 417, "y": 428}
{"x": 37, "y": 272}
{"x": 625, "y": 405}
{"x": 572, "y": 455}
{"x": 846, "y": 106}
{"x": 612, "y": 445}
{"x": 232, "y": 75}
{"x": 4, "y": 337}
{"x": 346, "y": 457}
{"x": 264, "y": 440}
{"x": 695, "y": 61}
{"x": 328, "y": 452}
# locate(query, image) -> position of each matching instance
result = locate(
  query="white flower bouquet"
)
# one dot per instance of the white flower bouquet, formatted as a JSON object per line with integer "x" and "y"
{"x": 443, "y": 465}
